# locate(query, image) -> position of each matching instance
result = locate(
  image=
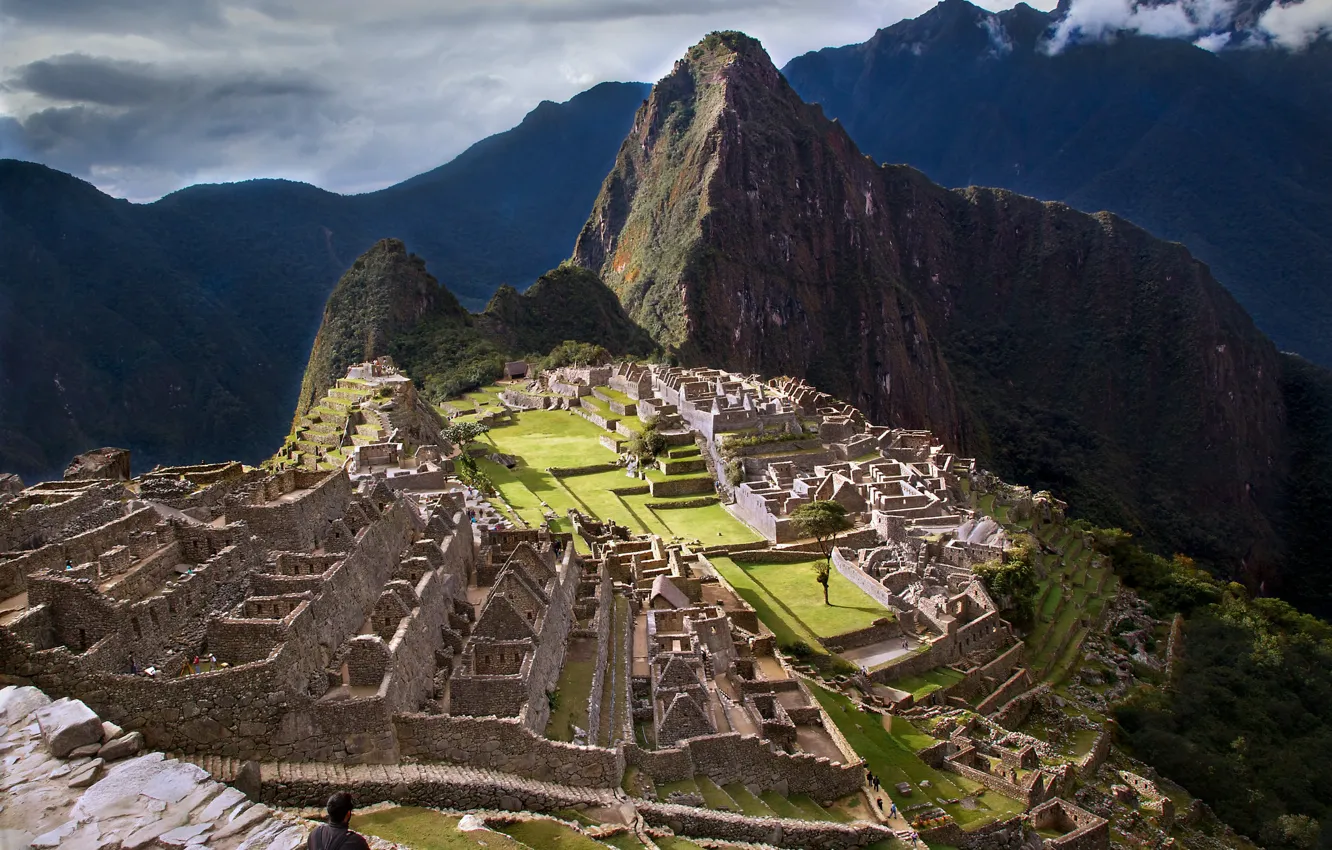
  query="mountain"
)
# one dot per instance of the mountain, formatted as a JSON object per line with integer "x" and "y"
{"x": 744, "y": 229}
{"x": 1223, "y": 151}
{"x": 566, "y": 303}
{"x": 384, "y": 294}
{"x": 179, "y": 328}
{"x": 387, "y": 303}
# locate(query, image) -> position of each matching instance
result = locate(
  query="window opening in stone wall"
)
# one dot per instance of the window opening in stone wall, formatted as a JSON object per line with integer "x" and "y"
{"x": 138, "y": 632}
{"x": 83, "y": 641}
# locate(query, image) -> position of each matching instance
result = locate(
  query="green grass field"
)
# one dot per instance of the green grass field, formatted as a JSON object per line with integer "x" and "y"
{"x": 426, "y": 829}
{"x": 892, "y": 757}
{"x": 551, "y": 438}
{"x": 551, "y": 834}
{"x": 790, "y": 601}
{"x": 574, "y": 687}
{"x": 927, "y": 683}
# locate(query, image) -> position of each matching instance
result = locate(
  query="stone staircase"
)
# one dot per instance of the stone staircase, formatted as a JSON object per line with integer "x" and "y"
{"x": 451, "y": 785}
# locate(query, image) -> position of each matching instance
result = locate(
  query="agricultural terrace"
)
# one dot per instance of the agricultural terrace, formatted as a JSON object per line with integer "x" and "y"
{"x": 543, "y": 439}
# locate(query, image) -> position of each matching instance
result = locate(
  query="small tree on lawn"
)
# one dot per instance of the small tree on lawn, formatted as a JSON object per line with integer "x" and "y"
{"x": 823, "y": 521}
{"x": 462, "y": 433}
{"x": 647, "y": 444}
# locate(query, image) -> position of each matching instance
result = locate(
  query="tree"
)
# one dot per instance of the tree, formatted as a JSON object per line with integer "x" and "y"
{"x": 822, "y": 520}
{"x": 574, "y": 353}
{"x": 648, "y": 443}
{"x": 1012, "y": 583}
{"x": 462, "y": 433}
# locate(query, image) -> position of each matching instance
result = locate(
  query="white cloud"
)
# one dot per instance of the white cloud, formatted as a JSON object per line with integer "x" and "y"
{"x": 199, "y": 90}
{"x": 1298, "y": 24}
{"x": 1212, "y": 42}
{"x": 1094, "y": 20}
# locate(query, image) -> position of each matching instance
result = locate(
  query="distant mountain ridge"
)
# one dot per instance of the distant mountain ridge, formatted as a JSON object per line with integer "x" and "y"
{"x": 745, "y": 230}
{"x": 178, "y": 328}
{"x": 1227, "y": 152}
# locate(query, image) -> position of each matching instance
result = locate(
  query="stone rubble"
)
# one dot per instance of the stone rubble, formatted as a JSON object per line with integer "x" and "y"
{"x": 120, "y": 799}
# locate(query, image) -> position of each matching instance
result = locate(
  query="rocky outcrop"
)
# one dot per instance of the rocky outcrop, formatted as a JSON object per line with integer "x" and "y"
{"x": 1071, "y": 352}
{"x": 100, "y": 465}
{"x": 59, "y": 798}
{"x": 68, "y": 725}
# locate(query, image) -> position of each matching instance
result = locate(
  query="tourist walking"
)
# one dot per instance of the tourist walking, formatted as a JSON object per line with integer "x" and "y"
{"x": 337, "y": 833}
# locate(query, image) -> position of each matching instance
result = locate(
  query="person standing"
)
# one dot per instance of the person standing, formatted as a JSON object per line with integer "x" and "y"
{"x": 337, "y": 833}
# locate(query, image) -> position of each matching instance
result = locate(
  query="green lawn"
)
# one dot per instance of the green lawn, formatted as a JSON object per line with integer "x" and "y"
{"x": 614, "y": 395}
{"x": 795, "y": 595}
{"x": 574, "y": 688}
{"x": 892, "y": 757}
{"x": 927, "y": 683}
{"x": 550, "y": 835}
{"x": 550, "y": 438}
{"x": 426, "y": 829}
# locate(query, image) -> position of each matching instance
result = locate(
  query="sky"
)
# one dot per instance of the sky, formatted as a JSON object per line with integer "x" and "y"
{"x": 143, "y": 97}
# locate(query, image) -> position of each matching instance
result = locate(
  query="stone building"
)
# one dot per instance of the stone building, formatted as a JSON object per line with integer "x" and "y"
{"x": 286, "y": 617}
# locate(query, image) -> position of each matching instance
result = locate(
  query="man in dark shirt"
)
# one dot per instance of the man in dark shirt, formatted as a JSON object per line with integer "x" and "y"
{"x": 337, "y": 834}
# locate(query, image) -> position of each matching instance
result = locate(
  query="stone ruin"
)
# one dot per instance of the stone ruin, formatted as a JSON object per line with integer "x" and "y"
{"x": 286, "y": 617}
{"x": 374, "y": 422}
{"x": 358, "y": 606}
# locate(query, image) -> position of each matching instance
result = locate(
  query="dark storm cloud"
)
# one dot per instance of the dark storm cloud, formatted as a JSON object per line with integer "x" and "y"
{"x": 143, "y": 116}
{"x": 142, "y": 97}
{"x": 113, "y": 15}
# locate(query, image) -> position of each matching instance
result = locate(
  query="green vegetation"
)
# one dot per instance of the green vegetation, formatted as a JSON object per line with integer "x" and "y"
{"x": 647, "y": 443}
{"x": 427, "y": 829}
{"x": 822, "y": 520}
{"x": 788, "y": 603}
{"x": 550, "y": 834}
{"x": 1012, "y": 583}
{"x": 570, "y": 708}
{"x": 891, "y": 755}
{"x": 573, "y": 353}
{"x": 1246, "y": 723}
{"x": 549, "y": 438}
{"x": 927, "y": 683}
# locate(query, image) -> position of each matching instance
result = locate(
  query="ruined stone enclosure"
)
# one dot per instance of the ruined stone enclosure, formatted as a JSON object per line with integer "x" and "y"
{"x": 276, "y": 617}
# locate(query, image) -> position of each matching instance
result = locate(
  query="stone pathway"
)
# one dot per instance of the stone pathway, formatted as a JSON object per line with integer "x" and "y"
{"x": 437, "y": 785}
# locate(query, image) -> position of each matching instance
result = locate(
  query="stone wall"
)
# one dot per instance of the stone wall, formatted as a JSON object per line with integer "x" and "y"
{"x": 266, "y": 708}
{"x": 33, "y": 526}
{"x": 605, "y": 601}
{"x": 508, "y": 745}
{"x": 730, "y": 757}
{"x": 1092, "y": 761}
{"x": 883, "y": 629}
{"x": 852, "y": 572}
{"x": 302, "y": 523}
{"x": 1083, "y": 830}
{"x": 591, "y": 469}
{"x": 782, "y": 832}
{"x": 80, "y": 548}
{"x": 423, "y": 785}
{"x": 1016, "y": 684}
{"x": 548, "y": 660}
{"x": 681, "y": 487}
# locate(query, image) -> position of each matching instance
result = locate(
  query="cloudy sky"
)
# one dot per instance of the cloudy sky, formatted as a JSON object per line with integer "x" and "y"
{"x": 146, "y": 96}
